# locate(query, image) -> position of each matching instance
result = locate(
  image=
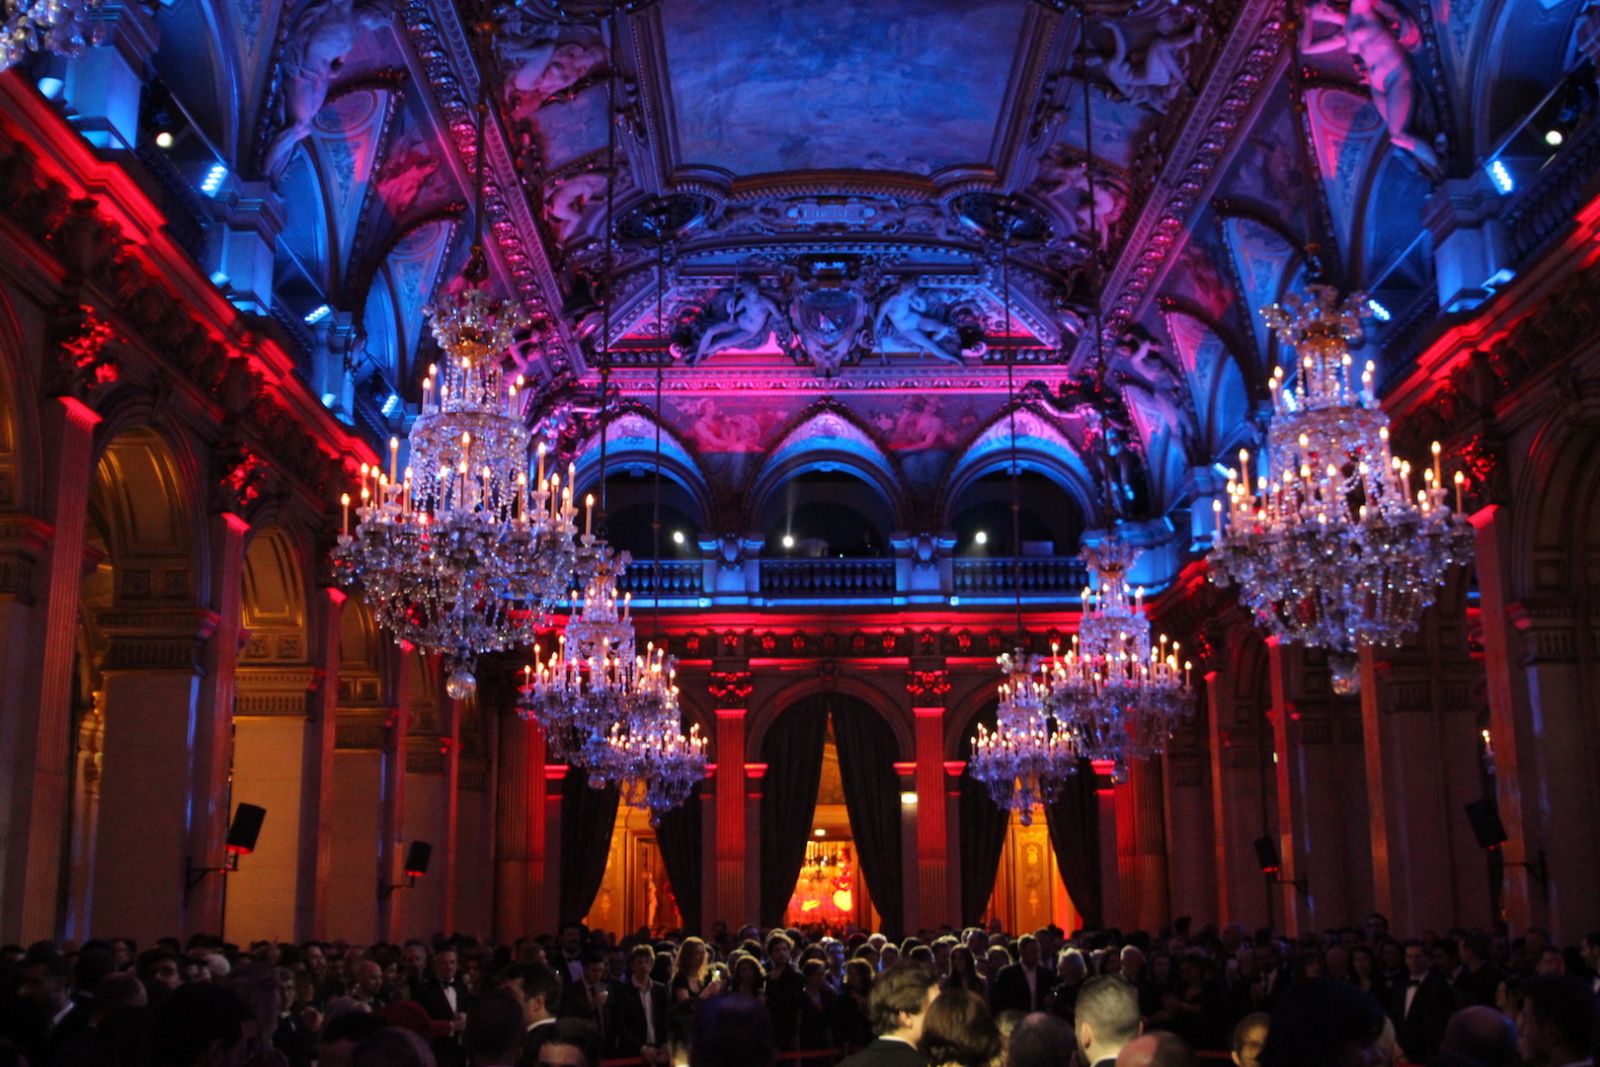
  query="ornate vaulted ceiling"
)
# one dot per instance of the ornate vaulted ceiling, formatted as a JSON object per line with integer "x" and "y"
{"x": 810, "y": 204}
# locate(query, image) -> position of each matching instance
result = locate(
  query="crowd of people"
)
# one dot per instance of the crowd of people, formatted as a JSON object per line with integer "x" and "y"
{"x": 968, "y": 998}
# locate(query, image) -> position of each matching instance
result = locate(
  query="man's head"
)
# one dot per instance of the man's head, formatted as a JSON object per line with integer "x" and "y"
{"x": 1556, "y": 1021}
{"x": 1106, "y": 1017}
{"x": 1132, "y": 962}
{"x": 368, "y": 979}
{"x": 1249, "y": 1036}
{"x": 899, "y": 1001}
{"x": 158, "y": 967}
{"x": 494, "y": 1029}
{"x": 1483, "y": 1035}
{"x": 312, "y": 956}
{"x": 416, "y": 959}
{"x": 572, "y": 1043}
{"x": 1552, "y": 964}
{"x": 1040, "y": 1040}
{"x": 1028, "y": 950}
{"x": 594, "y": 967}
{"x": 1159, "y": 1049}
{"x": 1416, "y": 959}
{"x": 45, "y": 975}
{"x": 535, "y": 986}
{"x": 571, "y": 939}
{"x": 641, "y": 961}
{"x": 445, "y": 964}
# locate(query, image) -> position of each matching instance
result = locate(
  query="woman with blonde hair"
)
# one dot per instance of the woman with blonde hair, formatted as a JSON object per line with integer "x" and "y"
{"x": 691, "y": 968}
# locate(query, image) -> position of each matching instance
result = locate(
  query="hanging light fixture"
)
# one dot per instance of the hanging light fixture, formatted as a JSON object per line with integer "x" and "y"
{"x": 1025, "y": 759}
{"x": 655, "y": 762}
{"x": 459, "y": 554}
{"x": 1333, "y": 547}
{"x": 1114, "y": 693}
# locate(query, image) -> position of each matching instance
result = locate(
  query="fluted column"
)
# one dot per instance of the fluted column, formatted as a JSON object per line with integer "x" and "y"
{"x": 1141, "y": 846}
{"x": 1290, "y": 775}
{"x": 547, "y": 846}
{"x": 927, "y": 689}
{"x": 315, "y": 862}
{"x": 513, "y": 825}
{"x": 36, "y": 705}
{"x": 1105, "y": 794}
{"x": 450, "y": 804}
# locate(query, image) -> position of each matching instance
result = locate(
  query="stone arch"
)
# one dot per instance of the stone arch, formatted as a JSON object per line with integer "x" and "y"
{"x": 831, "y": 441}
{"x": 631, "y": 446}
{"x": 771, "y": 709}
{"x": 1553, "y": 548}
{"x": 1041, "y": 446}
{"x": 144, "y": 506}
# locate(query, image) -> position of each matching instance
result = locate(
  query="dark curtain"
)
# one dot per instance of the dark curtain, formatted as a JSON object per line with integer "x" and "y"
{"x": 867, "y": 751}
{"x": 1074, "y": 821}
{"x": 792, "y": 751}
{"x": 587, "y": 818}
{"x": 983, "y": 834}
{"x": 679, "y": 838}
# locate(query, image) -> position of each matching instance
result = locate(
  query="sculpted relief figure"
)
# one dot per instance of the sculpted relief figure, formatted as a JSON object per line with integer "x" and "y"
{"x": 1152, "y": 385}
{"x": 1155, "y": 78}
{"x": 1095, "y": 210}
{"x": 908, "y": 314}
{"x": 1378, "y": 37}
{"x": 542, "y": 66}
{"x": 322, "y": 36}
{"x": 747, "y": 316}
{"x": 569, "y": 201}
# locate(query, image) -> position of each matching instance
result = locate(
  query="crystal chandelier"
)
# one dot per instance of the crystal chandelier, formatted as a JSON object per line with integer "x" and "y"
{"x": 42, "y": 26}
{"x": 459, "y": 554}
{"x": 1026, "y": 759}
{"x": 1116, "y": 694}
{"x": 1335, "y": 548}
{"x": 651, "y": 758}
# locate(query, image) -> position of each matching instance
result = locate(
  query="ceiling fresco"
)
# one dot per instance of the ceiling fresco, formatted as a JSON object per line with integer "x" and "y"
{"x": 911, "y": 217}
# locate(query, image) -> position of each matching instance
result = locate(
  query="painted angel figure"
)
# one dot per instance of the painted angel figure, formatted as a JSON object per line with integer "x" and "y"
{"x": 1378, "y": 37}
{"x": 323, "y": 35}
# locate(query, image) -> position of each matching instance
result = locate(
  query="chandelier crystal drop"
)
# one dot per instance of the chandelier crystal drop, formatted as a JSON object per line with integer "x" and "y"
{"x": 459, "y": 554}
{"x": 1116, "y": 694}
{"x": 59, "y": 26}
{"x": 1025, "y": 759}
{"x": 1336, "y": 547}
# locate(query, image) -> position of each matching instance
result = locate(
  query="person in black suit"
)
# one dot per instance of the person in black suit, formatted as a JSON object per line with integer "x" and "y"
{"x": 785, "y": 989}
{"x": 897, "y": 1005}
{"x": 1021, "y": 986}
{"x": 537, "y": 988}
{"x": 444, "y": 996}
{"x": 637, "y": 1011}
{"x": 55, "y": 1019}
{"x": 1105, "y": 1018}
{"x": 1420, "y": 1006}
{"x": 586, "y": 999}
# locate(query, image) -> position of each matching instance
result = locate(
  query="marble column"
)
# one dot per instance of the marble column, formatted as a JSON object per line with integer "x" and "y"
{"x": 211, "y": 757}
{"x": 36, "y": 705}
{"x": 1111, "y": 895}
{"x": 754, "y": 775}
{"x": 315, "y": 864}
{"x": 447, "y": 847}
{"x": 1191, "y": 885}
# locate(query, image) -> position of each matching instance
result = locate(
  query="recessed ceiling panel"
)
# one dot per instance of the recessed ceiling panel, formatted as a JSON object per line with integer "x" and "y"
{"x": 785, "y": 85}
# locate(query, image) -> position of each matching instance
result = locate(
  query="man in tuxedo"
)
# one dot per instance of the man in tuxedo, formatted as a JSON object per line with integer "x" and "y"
{"x": 1106, "y": 1017}
{"x": 536, "y": 988}
{"x": 568, "y": 958}
{"x": 785, "y": 989}
{"x": 638, "y": 1012}
{"x": 1478, "y": 980}
{"x": 1555, "y": 1023}
{"x": 443, "y": 995}
{"x": 1022, "y": 986}
{"x": 586, "y": 998}
{"x": 897, "y": 1005}
{"x": 55, "y": 1017}
{"x": 1420, "y": 1006}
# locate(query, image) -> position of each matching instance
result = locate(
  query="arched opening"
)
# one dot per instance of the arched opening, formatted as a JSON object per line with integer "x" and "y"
{"x": 141, "y": 642}
{"x": 1049, "y": 520}
{"x": 826, "y": 514}
{"x": 630, "y": 496}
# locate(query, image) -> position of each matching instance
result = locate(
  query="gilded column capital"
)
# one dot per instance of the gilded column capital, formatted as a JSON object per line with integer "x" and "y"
{"x": 156, "y": 639}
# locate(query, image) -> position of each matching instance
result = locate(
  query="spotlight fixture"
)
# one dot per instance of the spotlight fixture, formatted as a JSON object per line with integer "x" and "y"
{"x": 211, "y": 184}
{"x": 1501, "y": 177}
{"x": 317, "y": 314}
{"x": 164, "y": 139}
{"x": 677, "y": 537}
{"x": 788, "y": 540}
{"x": 980, "y": 538}
{"x": 1553, "y": 138}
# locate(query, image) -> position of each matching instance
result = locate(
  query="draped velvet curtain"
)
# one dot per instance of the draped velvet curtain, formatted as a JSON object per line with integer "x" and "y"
{"x": 679, "y": 837}
{"x": 792, "y": 751}
{"x": 867, "y": 753}
{"x": 983, "y": 835}
{"x": 587, "y": 818}
{"x": 1074, "y": 821}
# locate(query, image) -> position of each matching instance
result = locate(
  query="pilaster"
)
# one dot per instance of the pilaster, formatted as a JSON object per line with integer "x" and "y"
{"x": 315, "y": 864}
{"x": 520, "y": 805}
{"x": 730, "y": 690}
{"x": 1289, "y": 777}
{"x": 391, "y": 800}
{"x": 927, "y": 688}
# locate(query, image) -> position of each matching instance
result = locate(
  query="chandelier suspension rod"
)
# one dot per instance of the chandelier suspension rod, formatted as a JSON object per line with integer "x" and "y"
{"x": 1096, "y": 254}
{"x": 1011, "y": 417}
{"x": 661, "y": 354}
{"x": 1302, "y": 133}
{"x": 608, "y": 260}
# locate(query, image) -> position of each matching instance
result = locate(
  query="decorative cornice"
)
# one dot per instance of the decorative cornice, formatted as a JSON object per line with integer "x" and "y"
{"x": 163, "y": 640}
{"x": 1254, "y": 47}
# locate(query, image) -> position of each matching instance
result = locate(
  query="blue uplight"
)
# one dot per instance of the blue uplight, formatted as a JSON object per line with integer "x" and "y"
{"x": 1379, "y": 312}
{"x": 391, "y": 405}
{"x": 213, "y": 180}
{"x": 1501, "y": 177}
{"x": 317, "y": 314}
{"x": 328, "y": 400}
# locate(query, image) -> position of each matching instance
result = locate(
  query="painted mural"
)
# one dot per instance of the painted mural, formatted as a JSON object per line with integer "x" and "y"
{"x": 901, "y": 85}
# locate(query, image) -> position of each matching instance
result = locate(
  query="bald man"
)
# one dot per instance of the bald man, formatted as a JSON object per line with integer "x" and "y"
{"x": 1481, "y": 1034}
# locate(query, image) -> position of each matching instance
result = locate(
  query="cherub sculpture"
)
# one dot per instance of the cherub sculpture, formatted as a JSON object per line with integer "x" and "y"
{"x": 1154, "y": 79}
{"x": 321, "y": 38}
{"x": 1378, "y": 37}
{"x": 904, "y": 313}
{"x": 748, "y": 317}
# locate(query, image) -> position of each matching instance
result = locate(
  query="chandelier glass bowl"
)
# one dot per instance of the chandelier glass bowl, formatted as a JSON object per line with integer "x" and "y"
{"x": 1336, "y": 547}
{"x": 1025, "y": 759}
